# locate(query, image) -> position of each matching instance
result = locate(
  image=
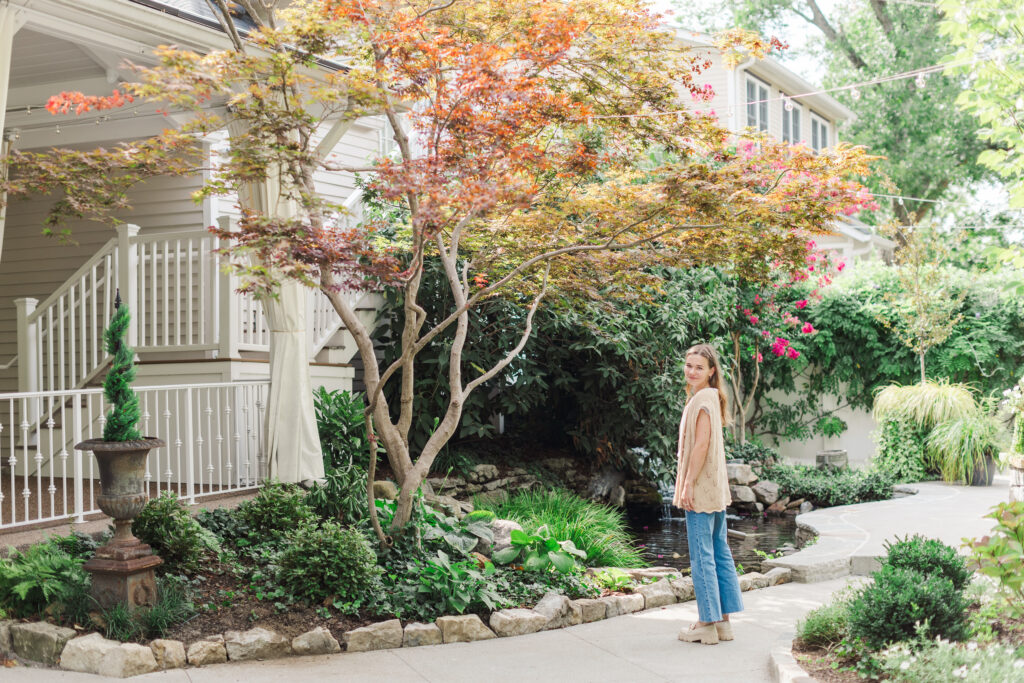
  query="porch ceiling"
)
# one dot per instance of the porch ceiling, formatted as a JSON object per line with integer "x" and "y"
{"x": 39, "y": 60}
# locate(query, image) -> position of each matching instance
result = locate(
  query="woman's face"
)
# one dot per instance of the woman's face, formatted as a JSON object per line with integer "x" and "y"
{"x": 698, "y": 371}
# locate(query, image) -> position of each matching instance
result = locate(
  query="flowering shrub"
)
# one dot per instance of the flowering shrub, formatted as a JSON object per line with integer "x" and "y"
{"x": 941, "y": 660}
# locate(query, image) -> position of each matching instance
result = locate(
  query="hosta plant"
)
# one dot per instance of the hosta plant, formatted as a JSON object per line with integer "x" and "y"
{"x": 540, "y": 552}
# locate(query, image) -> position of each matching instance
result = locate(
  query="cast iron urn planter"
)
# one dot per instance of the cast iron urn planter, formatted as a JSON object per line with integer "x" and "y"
{"x": 122, "y": 570}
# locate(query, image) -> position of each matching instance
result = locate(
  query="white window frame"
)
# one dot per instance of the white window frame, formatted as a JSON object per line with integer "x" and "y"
{"x": 791, "y": 123}
{"x": 819, "y": 140}
{"x": 757, "y": 114}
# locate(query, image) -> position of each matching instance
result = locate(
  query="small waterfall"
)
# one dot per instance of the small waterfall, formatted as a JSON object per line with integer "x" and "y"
{"x": 667, "y": 493}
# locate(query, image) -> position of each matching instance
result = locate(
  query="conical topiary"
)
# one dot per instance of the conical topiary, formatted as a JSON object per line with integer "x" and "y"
{"x": 124, "y": 414}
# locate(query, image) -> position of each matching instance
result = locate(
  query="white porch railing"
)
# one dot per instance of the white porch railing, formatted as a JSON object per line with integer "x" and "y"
{"x": 214, "y": 435}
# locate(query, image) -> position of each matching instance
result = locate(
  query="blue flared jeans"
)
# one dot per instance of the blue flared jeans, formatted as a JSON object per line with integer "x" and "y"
{"x": 715, "y": 583}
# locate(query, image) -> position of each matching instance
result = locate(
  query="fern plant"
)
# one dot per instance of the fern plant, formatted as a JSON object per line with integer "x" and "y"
{"x": 42, "y": 578}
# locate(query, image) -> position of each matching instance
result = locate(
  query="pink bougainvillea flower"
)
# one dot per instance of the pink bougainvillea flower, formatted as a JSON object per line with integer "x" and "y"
{"x": 753, "y": 320}
{"x": 808, "y": 328}
{"x": 779, "y": 346}
{"x": 757, "y": 355}
{"x": 765, "y": 333}
{"x": 842, "y": 264}
{"x": 757, "y": 298}
{"x": 802, "y": 304}
{"x": 792, "y": 353}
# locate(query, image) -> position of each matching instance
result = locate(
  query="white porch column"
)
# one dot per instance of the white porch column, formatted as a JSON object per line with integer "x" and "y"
{"x": 128, "y": 277}
{"x": 11, "y": 19}
{"x": 226, "y": 320}
{"x": 28, "y": 346}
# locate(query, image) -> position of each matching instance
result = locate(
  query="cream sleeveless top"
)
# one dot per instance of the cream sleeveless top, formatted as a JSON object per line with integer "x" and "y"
{"x": 711, "y": 486}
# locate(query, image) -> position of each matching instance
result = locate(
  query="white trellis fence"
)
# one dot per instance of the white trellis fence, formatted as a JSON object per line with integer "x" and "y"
{"x": 214, "y": 435}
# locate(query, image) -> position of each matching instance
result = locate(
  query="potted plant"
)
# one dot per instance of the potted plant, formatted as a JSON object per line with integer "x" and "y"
{"x": 122, "y": 570}
{"x": 965, "y": 449}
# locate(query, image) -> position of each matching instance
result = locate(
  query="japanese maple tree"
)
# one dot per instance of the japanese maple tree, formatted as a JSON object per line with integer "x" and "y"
{"x": 541, "y": 146}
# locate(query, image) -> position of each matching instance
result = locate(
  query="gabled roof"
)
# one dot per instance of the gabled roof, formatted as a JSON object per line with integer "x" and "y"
{"x": 197, "y": 11}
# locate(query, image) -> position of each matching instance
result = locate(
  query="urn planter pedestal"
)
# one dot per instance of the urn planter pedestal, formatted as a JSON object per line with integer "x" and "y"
{"x": 122, "y": 570}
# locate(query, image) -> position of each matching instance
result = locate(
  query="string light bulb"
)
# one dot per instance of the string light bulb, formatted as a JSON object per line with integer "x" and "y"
{"x": 855, "y": 94}
{"x": 921, "y": 80}
{"x": 57, "y": 130}
{"x": 789, "y": 104}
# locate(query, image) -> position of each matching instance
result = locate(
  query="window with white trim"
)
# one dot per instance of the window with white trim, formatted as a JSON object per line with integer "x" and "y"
{"x": 791, "y": 122}
{"x": 757, "y": 104}
{"x": 819, "y": 133}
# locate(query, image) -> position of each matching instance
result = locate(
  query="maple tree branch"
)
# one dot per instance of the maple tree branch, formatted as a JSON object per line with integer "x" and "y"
{"x": 223, "y": 14}
{"x": 819, "y": 19}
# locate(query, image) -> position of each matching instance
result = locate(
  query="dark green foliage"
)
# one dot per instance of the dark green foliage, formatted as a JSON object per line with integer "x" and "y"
{"x": 124, "y": 414}
{"x": 540, "y": 552}
{"x": 40, "y": 580}
{"x": 441, "y": 585}
{"x": 754, "y": 454}
{"x": 276, "y": 510}
{"x": 831, "y": 486}
{"x": 825, "y": 626}
{"x": 326, "y": 561}
{"x": 166, "y": 525}
{"x": 342, "y": 429}
{"x": 597, "y": 530}
{"x": 76, "y": 544}
{"x": 342, "y": 496}
{"x": 902, "y": 603}
{"x": 929, "y": 556}
{"x": 901, "y": 451}
{"x": 485, "y": 516}
{"x": 226, "y": 524}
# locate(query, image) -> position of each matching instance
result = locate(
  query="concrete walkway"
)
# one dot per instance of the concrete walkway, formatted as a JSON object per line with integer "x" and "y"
{"x": 639, "y": 647}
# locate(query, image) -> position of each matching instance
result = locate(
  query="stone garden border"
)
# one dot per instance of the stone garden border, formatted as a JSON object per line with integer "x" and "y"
{"x": 57, "y": 646}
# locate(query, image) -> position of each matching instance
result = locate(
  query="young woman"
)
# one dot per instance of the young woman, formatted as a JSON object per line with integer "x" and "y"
{"x": 702, "y": 489}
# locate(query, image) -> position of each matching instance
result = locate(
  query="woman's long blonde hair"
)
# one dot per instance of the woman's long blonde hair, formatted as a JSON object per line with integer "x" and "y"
{"x": 707, "y": 352}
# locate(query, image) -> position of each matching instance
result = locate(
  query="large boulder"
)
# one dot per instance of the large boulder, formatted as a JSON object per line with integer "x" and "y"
{"x": 256, "y": 643}
{"x": 502, "y": 529}
{"x": 383, "y": 635}
{"x": 517, "y": 622}
{"x": 767, "y": 492}
{"x": 85, "y": 653}
{"x": 385, "y": 490}
{"x": 657, "y": 594}
{"x": 742, "y": 494}
{"x": 39, "y": 641}
{"x": 417, "y": 634}
{"x": 170, "y": 654}
{"x": 464, "y": 628}
{"x": 319, "y": 641}
{"x": 126, "y": 660}
{"x": 208, "y": 651}
{"x": 740, "y": 474}
{"x": 558, "y": 610}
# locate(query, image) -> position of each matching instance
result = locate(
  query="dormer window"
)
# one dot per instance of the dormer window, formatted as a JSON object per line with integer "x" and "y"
{"x": 757, "y": 104}
{"x": 791, "y": 122}
{"x": 819, "y": 133}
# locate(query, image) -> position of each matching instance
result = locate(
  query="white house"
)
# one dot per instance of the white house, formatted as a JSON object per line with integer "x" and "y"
{"x": 203, "y": 350}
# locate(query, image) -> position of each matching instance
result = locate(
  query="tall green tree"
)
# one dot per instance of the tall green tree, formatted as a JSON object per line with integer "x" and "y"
{"x": 988, "y": 39}
{"x": 931, "y": 146}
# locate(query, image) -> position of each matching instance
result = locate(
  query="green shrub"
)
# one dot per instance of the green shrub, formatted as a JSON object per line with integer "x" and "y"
{"x": 1000, "y": 555}
{"x": 342, "y": 429}
{"x": 596, "y": 529}
{"x": 166, "y": 525}
{"x": 540, "y": 552}
{"x": 342, "y": 496}
{"x": 226, "y": 524}
{"x": 825, "y": 626}
{"x": 754, "y": 454}
{"x": 326, "y": 560}
{"x": 77, "y": 544}
{"x": 439, "y": 586}
{"x": 901, "y": 451}
{"x": 901, "y": 604}
{"x": 830, "y": 486}
{"x": 276, "y": 510}
{"x": 930, "y": 557}
{"x": 40, "y": 580}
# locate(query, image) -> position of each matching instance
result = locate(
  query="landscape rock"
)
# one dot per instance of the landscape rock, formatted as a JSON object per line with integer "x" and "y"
{"x": 683, "y": 588}
{"x": 806, "y": 507}
{"x": 492, "y": 496}
{"x": 380, "y": 636}
{"x": 740, "y": 474}
{"x": 482, "y": 473}
{"x": 445, "y": 483}
{"x": 85, "y": 653}
{"x": 417, "y": 634}
{"x": 446, "y": 504}
{"x": 767, "y": 492}
{"x": 590, "y": 609}
{"x": 169, "y": 654}
{"x": 502, "y": 529}
{"x": 657, "y": 594}
{"x": 127, "y": 659}
{"x": 5, "y": 636}
{"x": 39, "y": 641}
{"x": 776, "y": 509}
{"x": 558, "y": 610}
{"x": 779, "y": 575}
{"x": 742, "y": 494}
{"x": 385, "y": 490}
{"x": 256, "y": 643}
{"x": 622, "y": 604}
{"x": 617, "y": 497}
{"x": 209, "y": 651}
{"x": 517, "y": 622}
{"x": 753, "y": 580}
{"x": 794, "y": 503}
{"x": 558, "y": 464}
{"x": 319, "y": 641}
{"x": 497, "y": 484}
{"x": 464, "y": 628}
